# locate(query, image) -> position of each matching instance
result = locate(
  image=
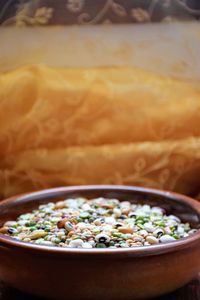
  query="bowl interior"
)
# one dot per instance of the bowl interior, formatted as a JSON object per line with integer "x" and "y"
{"x": 172, "y": 203}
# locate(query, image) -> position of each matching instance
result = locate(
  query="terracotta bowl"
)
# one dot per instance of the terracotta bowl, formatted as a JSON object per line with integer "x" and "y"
{"x": 132, "y": 273}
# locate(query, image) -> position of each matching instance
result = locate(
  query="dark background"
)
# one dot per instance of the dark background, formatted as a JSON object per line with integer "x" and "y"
{"x": 175, "y": 9}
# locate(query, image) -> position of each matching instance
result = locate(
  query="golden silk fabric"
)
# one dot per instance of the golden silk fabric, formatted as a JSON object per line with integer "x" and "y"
{"x": 89, "y": 126}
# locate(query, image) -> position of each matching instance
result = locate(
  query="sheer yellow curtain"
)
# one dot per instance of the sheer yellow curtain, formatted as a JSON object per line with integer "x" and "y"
{"x": 119, "y": 125}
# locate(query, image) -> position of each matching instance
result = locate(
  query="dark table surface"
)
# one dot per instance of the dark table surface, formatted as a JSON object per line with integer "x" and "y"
{"x": 189, "y": 292}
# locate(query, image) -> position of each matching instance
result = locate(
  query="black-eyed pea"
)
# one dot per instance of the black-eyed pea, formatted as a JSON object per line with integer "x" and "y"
{"x": 158, "y": 232}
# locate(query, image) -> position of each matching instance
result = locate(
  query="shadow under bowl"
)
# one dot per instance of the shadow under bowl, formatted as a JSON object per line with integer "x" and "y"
{"x": 126, "y": 273}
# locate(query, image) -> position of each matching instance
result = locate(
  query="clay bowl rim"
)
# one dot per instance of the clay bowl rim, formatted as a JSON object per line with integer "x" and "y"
{"x": 151, "y": 250}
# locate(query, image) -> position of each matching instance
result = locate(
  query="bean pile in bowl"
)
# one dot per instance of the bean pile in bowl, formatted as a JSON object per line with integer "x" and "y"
{"x": 97, "y": 223}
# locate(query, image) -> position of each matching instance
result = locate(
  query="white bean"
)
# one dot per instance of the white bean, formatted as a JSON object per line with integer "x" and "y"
{"x": 167, "y": 238}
